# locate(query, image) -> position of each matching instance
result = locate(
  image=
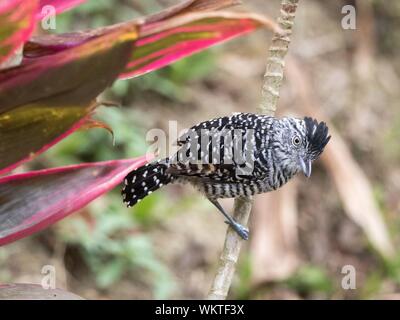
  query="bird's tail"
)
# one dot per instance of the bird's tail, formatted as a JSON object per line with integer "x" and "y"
{"x": 144, "y": 180}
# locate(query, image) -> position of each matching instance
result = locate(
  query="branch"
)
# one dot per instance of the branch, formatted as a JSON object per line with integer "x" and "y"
{"x": 276, "y": 59}
{"x": 270, "y": 94}
{"x": 230, "y": 253}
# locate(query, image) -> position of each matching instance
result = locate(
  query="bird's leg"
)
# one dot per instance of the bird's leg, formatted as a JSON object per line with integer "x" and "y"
{"x": 240, "y": 230}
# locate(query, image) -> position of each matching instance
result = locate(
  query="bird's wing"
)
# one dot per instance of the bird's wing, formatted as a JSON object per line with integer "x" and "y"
{"x": 216, "y": 149}
{"x": 236, "y": 121}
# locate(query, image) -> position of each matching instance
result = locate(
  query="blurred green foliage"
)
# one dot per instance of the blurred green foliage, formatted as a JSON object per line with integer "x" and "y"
{"x": 171, "y": 82}
{"x": 5, "y": 274}
{"x": 311, "y": 279}
{"x": 372, "y": 285}
{"x": 242, "y": 287}
{"x": 114, "y": 247}
{"x": 391, "y": 141}
{"x": 99, "y": 13}
{"x": 97, "y": 144}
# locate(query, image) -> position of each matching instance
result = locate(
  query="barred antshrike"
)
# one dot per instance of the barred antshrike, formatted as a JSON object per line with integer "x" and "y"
{"x": 240, "y": 155}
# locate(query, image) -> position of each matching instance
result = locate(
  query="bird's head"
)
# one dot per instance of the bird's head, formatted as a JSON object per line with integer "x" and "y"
{"x": 297, "y": 143}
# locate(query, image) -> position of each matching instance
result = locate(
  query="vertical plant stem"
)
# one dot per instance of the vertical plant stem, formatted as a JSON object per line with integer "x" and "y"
{"x": 276, "y": 59}
{"x": 270, "y": 94}
{"x": 230, "y": 253}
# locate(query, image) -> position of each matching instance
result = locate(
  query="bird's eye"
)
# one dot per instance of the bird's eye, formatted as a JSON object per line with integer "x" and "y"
{"x": 296, "y": 141}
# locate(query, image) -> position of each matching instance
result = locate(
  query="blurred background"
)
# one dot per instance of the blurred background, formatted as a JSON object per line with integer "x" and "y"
{"x": 168, "y": 246}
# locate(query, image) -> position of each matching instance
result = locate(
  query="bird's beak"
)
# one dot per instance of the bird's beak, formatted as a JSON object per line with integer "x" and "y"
{"x": 305, "y": 167}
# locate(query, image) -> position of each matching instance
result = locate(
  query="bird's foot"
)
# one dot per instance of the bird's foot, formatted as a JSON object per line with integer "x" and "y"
{"x": 240, "y": 230}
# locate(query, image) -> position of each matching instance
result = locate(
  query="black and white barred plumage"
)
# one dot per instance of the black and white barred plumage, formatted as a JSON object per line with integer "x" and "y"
{"x": 240, "y": 155}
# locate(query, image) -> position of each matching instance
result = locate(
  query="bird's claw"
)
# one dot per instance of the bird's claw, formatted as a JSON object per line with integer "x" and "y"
{"x": 240, "y": 230}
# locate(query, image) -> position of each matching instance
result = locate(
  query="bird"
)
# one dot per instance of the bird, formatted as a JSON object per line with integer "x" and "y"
{"x": 234, "y": 156}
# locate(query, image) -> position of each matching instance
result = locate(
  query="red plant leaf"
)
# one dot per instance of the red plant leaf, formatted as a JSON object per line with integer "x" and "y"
{"x": 44, "y": 100}
{"x": 165, "y": 42}
{"x": 86, "y": 65}
{"x": 32, "y": 201}
{"x": 17, "y": 20}
{"x": 165, "y": 37}
{"x": 59, "y": 6}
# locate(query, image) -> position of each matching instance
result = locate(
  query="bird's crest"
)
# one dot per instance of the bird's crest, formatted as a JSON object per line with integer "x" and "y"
{"x": 317, "y": 136}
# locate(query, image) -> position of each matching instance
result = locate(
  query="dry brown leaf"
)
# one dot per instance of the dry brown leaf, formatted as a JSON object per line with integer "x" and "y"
{"x": 351, "y": 182}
